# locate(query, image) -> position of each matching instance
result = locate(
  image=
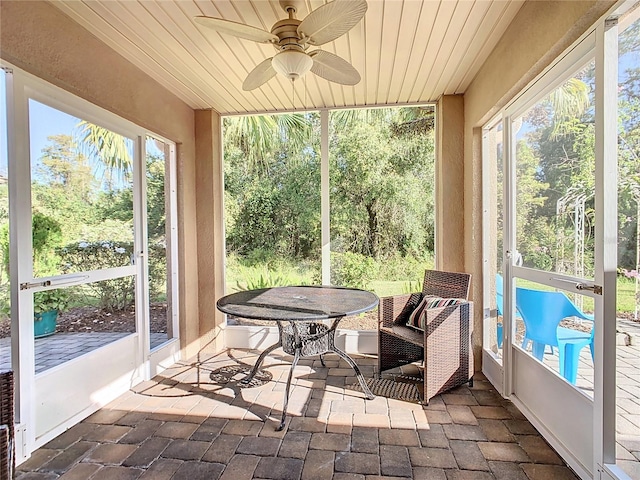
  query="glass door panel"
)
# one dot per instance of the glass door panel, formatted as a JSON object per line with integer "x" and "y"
{"x": 493, "y": 154}
{"x": 551, "y": 328}
{"x": 73, "y": 321}
{"x": 555, "y": 182}
{"x": 82, "y": 205}
{"x": 158, "y": 164}
{"x": 628, "y": 298}
{"x": 81, "y": 194}
{"x": 5, "y": 287}
{"x": 555, "y": 179}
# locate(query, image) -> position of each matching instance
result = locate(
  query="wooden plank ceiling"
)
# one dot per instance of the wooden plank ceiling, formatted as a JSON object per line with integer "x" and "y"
{"x": 407, "y": 51}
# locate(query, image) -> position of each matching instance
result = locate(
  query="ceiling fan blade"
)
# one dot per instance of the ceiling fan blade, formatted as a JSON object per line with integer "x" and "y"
{"x": 259, "y": 75}
{"x": 333, "y": 68}
{"x": 236, "y": 29}
{"x": 332, "y": 20}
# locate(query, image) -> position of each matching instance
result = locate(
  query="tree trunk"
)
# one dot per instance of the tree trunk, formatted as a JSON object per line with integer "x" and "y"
{"x": 373, "y": 229}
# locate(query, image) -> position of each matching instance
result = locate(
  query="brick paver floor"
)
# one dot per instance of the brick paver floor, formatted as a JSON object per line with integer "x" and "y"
{"x": 182, "y": 425}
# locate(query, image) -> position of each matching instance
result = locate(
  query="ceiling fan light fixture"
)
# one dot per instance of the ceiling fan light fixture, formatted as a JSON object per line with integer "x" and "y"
{"x": 292, "y": 63}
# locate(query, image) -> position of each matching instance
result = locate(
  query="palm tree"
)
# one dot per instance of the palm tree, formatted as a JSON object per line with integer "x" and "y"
{"x": 112, "y": 150}
{"x": 569, "y": 102}
{"x": 259, "y": 137}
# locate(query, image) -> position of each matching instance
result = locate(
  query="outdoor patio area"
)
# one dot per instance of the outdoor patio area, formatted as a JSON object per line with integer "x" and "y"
{"x": 184, "y": 425}
{"x": 194, "y": 421}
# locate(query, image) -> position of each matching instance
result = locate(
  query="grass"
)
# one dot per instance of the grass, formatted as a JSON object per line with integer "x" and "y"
{"x": 241, "y": 276}
{"x": 625, "y": 300}
{"x": 384, "y": 288}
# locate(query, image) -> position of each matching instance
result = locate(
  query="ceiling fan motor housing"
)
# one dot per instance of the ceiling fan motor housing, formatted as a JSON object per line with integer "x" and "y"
{"x": 287, "y": 32}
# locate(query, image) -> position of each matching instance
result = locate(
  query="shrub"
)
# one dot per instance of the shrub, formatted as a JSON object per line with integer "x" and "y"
{"x": 113, "y": 294}
{"x": 352, "y": 270}
{"x": 47, "y": 236}
{"x": 157, "y": 271}
{"x": 400, "y": 268}
{"x": 117, "y": 293}
{"x": 265, "y": 280}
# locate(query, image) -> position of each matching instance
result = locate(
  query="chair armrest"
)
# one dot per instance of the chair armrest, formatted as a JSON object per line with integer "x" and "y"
{"x": 395, "y": 310}
{"x": 460, "y": 311}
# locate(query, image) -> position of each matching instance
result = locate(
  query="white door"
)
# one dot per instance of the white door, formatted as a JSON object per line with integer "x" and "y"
{"x": 559, "y": 255}
{"x": 89, "y": 205}
{"x": 561, "y": 221}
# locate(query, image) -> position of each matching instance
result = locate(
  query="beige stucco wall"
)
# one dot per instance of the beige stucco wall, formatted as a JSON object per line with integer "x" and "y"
{"x": 540, "y": 32}
{"x": 449, "y": 189}
{"x": 40, "y": 39}
{"x": 210, "y": 196}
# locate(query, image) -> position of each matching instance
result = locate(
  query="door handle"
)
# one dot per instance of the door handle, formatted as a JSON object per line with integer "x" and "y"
{"x": 28, "y": 285}
{"x": 57, "y": 283}
{"x": 597, "y": 289}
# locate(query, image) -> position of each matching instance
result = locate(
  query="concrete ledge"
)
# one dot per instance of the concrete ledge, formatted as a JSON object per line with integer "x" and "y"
{"x": 259, "y": 338}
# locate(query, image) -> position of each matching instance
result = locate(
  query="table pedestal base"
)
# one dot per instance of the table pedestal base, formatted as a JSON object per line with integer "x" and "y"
{"x": 304, "y": 339}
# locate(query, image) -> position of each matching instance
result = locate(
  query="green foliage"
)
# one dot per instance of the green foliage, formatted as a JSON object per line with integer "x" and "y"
{"x": 412, "y": 287}
{"x": 262, "y": 270}
{"x": 47, "y": 236}
{"x": 398, "y": 268}
{"x": 113, "y": 150}
{"x": 265, "y": 280}
{"x": 352, "y": 270}
{"x": 157, "y": 260}
{"x": 381, "y": 174}
{"x": 382, "y": 190}
{"x": 56, "y": 299}
{"x": 156, "y": 198}
{"x": 114, "y": 294}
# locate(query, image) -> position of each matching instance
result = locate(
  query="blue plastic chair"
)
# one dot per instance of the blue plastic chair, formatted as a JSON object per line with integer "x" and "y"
{"x": 542, "y": 313}
{"x": 499, "y": 306}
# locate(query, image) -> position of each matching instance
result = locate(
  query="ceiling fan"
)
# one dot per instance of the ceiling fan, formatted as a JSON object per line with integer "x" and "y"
{"x": 292, "y": 37}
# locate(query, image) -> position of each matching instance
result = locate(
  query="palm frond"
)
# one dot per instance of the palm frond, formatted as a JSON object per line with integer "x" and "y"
{"x": 111, "y": 149}
{"x": 568, "y": 103}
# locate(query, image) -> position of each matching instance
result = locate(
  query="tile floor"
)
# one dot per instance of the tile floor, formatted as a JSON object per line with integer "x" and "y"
{"x": 182, "y": 425}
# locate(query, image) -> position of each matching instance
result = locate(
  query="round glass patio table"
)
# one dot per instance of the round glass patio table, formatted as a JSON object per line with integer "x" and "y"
{"x": 298, "y": 312}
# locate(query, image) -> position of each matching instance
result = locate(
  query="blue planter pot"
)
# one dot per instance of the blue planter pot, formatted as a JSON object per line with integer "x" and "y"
{"x": 44, "y": 323}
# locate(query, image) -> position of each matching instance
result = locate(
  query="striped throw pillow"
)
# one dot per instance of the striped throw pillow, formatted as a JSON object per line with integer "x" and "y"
{"x": 417, "y": 318}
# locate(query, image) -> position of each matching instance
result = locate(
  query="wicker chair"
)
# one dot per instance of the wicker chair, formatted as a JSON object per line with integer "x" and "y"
{"x": 7, "y": 448}
{"x": 444, "y": 348}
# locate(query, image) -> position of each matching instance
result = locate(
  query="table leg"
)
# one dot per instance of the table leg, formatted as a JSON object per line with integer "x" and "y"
{"x": 255, "y": 368}
{"x": 296, "y": 357}
{"x": 349, "y": 360}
